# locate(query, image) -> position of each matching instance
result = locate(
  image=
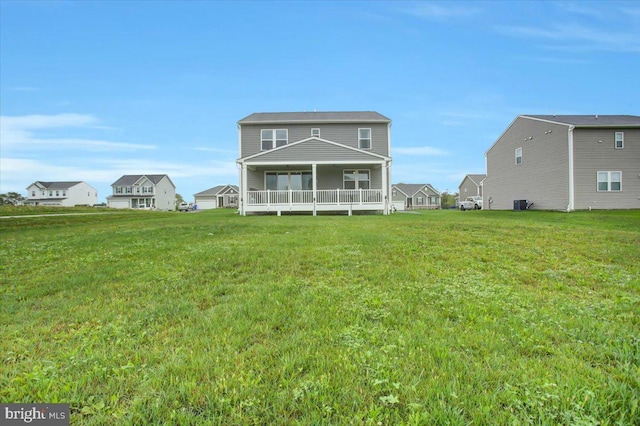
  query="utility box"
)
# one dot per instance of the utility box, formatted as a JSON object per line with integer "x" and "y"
{"x": 519, "y": 205}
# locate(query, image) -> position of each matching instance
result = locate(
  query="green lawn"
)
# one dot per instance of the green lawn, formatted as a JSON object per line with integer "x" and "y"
{"x": 443, "y": 317}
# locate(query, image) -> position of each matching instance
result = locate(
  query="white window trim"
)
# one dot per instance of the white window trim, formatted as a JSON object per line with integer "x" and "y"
{"x": 357, "y": 181}
{"x": 315, "y": 132}
{"x": 518, "y": 156}
{"x": 273, "y": 138}
{"x": 615, "y": 140}
{"x": 608, "y": 181}
{"x": 370, "y": 138}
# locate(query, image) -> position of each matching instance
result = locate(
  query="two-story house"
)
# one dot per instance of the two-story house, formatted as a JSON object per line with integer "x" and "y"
{"x": 143, "y": 192}
{"x": 565, "y": 162}
{"x": 314, "y": 162}
{"x": 63, "y": 194}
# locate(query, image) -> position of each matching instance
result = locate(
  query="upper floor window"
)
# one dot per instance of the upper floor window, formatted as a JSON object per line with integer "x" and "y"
{"x": 147, "y": 189}
{"x": 128, "y": 190}
{"x": 273, "y": 138}
{"x": 518, "y": 156}
{"x": 609, "y": 181}
{"x": 57, "y": 193}
{"x": 118, "y": 190}
{"x": 619, "y": 144}
{"x": 315, "y": 132}
{"x": 355, "y": 179}
{"x": 50, "y": 193}
{"x": 364, "y": 138}
{"x": 64, "y": 193}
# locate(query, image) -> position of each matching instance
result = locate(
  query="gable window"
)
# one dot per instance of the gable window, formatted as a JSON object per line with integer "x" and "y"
{"x": 609, "y": 181}
{"x": 619, "y": 144}
{"x": 364, "y": 138}
{"x": 315, "y": 132}
{"x": 355, "y": 179}
{"x": 518, "y": 156}
{"x": 273, "y": 138}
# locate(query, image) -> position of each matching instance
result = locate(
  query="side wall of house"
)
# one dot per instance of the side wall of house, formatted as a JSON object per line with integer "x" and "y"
{"x": 468, "y": 188}
{"x": 346, "y": 134}
{"x": 543, "y": 175}
{"x": 594, "y": 151}
{"x": 165, "y": 195}
{"x": 81, "y": 194}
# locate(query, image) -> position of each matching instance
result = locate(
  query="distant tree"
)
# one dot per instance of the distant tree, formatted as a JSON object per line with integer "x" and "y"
{"x": 11, "y": 197}
{"x": 448, "y": 200}
{"x": 179, "y": 199}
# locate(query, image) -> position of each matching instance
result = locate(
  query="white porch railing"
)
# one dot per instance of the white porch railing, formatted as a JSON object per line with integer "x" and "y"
{"x": 324, "y": 196}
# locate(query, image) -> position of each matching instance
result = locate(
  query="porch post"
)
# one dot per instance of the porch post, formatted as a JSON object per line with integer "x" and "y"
{"x": 314, "y": 186}
{"x": 243, "y": 188}
{"x": 385, "y": 192}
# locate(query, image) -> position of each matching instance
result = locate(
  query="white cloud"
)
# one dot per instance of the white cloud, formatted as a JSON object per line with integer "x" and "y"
{"x": 420, "y": 150}
{"x": 440, "y": 11}
{"x": 21, "y": 133}
{"x": 577, "y": 37}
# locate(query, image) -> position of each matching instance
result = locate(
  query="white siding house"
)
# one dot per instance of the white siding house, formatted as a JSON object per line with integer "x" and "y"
{"x": 63, "y": 194}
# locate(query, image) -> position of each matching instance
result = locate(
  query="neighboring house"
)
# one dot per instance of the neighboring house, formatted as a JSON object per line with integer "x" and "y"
{"x": 218, "y": 196}
{"x": 314, "y": 162}
{"x": 471, "y": 185}
{"x": 414, "y": 196}
{"x": 565, "y": 162}
{"x": 63, "y": 194}
{"x": 143, "y": 192}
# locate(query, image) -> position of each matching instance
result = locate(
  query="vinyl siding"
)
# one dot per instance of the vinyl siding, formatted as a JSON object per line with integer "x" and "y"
{"x": 543, "y": 176}
{"x": 315, "y": 150}
{"x": 346, "y": 134}
{"x": 469, "y": 188}
{"x": 165, "y": 194}
{"x": 591, "y": 156}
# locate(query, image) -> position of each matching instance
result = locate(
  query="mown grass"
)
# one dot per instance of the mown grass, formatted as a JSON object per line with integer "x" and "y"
{"x": 442, "y": 317}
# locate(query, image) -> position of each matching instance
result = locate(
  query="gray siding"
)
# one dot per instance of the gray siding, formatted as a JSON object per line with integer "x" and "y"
{"x": 312, "y": 150}
{"x": 468, "y": 188}
{"x": 346, "y": 134}
{"x": 591, "y": 156}
{"x": 543, "y": 176}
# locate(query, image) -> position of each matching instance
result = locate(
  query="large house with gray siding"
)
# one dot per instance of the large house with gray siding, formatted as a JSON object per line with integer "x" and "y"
{"x": 61, "y": 194}
{"x": 149, "y": 192}
{"x": 565, "y": 162}
{"x": 314, "y": 162}
{"x": 217, "y": 197}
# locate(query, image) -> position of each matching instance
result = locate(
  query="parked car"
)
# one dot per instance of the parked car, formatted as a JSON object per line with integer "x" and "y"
{"x": 471, "y": 203}
{"x": 184, "y": 207}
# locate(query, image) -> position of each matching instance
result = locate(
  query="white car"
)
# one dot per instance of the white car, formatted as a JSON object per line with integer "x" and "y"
{"x": 184, "y": 207}
{"x": 471, "y": 203}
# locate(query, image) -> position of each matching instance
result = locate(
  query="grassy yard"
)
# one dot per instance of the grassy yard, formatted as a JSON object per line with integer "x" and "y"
{"x": 442, "y": 317}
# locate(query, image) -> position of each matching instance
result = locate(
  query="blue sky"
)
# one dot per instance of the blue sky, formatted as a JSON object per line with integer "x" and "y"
{"x": 94, "y": 90}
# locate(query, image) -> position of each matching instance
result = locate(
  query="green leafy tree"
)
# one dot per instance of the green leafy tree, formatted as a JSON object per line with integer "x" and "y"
{"x": 11, "y": 197}
{"x": 179, "y": 199}
{"x": 448, "y": 200}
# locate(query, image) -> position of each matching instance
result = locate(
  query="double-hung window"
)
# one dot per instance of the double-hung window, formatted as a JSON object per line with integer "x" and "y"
{"x": 609, "y": 181}
{"x": 518, "y": 156}
{"x": 619, "y": 143}
{"x": 273, "y": 138}
{"x": 364, "y": 138}
{"x": 355, "y": 179}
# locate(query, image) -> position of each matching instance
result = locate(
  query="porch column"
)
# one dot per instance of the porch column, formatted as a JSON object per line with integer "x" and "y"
{"x": 243, "y": 188}
{"x": 385, "y": 190}
{"x": 314, "y": 170}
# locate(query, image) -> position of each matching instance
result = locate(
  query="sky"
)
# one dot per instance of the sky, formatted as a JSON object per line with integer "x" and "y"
{"x": 93, "y": 90}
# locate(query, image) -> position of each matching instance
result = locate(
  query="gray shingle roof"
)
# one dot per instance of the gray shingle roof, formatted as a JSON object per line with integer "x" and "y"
{"x": 315, "y": 117}
{"x": 591, "y": 120}
{"x": 411, "y": 188}
{"x": 57, "y": 185}
{"x": 128, "y": 180}
{"x": 215, "y": 190}
{"x": 477, "y": 178}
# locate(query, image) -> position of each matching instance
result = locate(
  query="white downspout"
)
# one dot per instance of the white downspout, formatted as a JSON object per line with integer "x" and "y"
{"x": 571, "y": 205}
